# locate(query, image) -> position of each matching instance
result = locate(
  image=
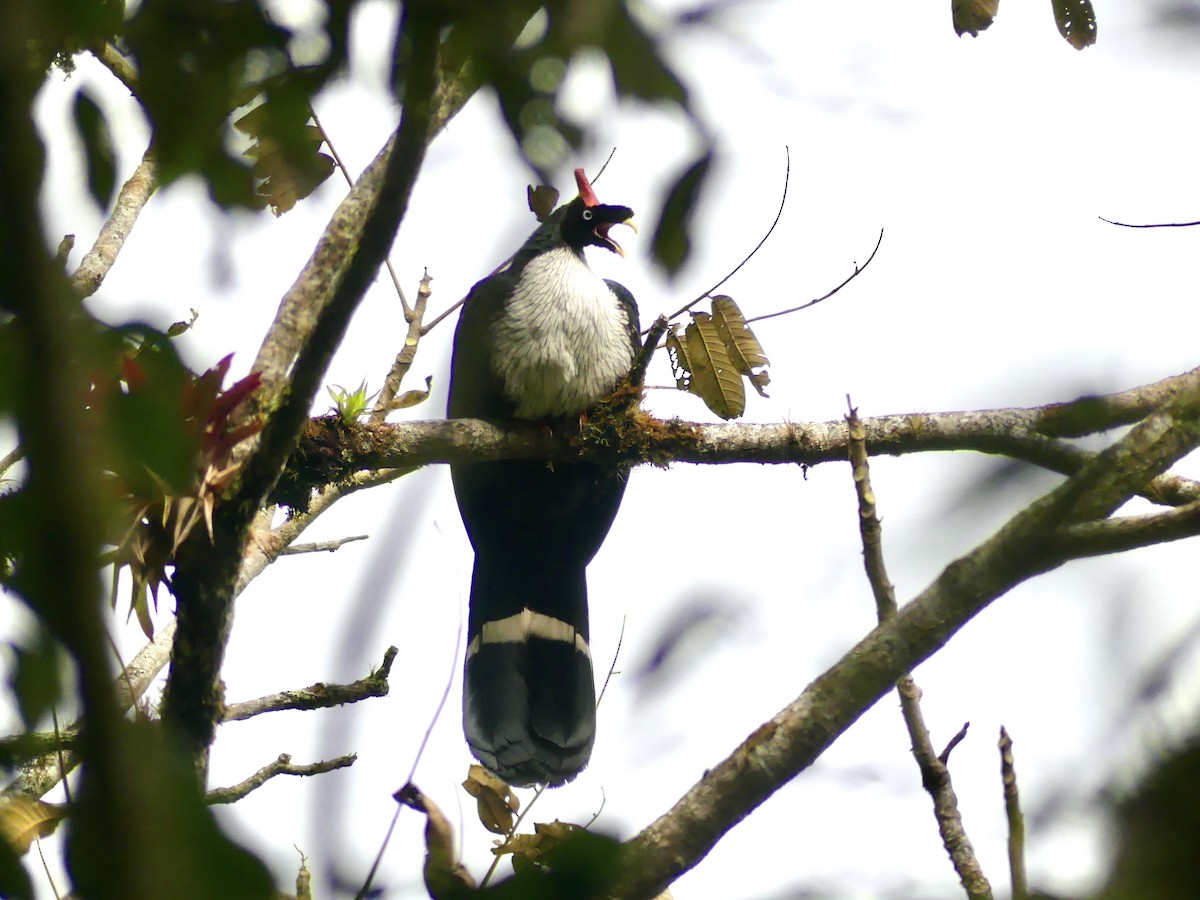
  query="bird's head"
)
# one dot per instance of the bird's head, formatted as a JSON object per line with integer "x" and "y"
{"x": 586, "y": 220}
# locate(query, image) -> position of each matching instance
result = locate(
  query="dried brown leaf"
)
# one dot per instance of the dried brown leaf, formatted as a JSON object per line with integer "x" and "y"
{"x": 744, "y": 348}
{"x": 495, "y": 800}
{"x": 22, "y": 819}
{"x": 714, "y": 379}
{"x": 444, "y": 875}
{"x": 542, "y": 200}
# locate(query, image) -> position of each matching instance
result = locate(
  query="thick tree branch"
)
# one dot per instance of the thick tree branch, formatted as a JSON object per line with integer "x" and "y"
{"x": 281, "y": 766}
{"x": 134, "y": 195}
{"x": 319, "y": 695}
{"x": 1018, "y": 433}
{"x": 206, "y": 572}
{"x": 787, "y": 744}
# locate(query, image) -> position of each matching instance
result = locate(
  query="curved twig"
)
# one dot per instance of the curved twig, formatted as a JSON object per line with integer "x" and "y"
{"x": 1151, "y": 225}
{"x": 787, "y": 175}
{"x": 858, "y": 270}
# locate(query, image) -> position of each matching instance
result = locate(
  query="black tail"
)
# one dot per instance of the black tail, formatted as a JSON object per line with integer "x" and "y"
{"x": 528, "y": 695}
{"x": 529, "y": 702}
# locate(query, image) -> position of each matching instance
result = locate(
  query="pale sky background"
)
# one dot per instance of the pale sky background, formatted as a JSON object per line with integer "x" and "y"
{"x": 987, "y": 161}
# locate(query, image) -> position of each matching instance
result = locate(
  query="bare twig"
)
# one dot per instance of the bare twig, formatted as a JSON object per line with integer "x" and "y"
{"x": 115, "y": 62}
{"x": 404, "y": 359}
{"x": 281, "y": 766}
{"x": 935, "y": 776}
{"x": 322, "y": 546}
{"x": 437, "y": 714}
{"x": 959, "y": 737}
{"x": 337, "y": 159}
{"x": 317, "y": 696}
{"x": 46, "y": 869}
{"x": 858, "y": 270}
{"x": 537, "y": 794}
{"x": 58, "y": 750}
{"x": 641, "y": 362}
{"x": 65, "y": 246}
{"x": 1152, "y": 225}
{"x": 1016, "y": 820}
{"x": 613, "y": 667}
{"x": 596, "y": 814}
{"x": 11, "y": 458}
{"x": 787, "y": 174}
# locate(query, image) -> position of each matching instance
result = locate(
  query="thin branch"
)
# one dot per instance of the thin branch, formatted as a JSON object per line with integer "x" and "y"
{"x": 341, "y": 166}
{"x": 317, "y": 696}
{"x": 858, "y": 270}
{"x": 537, "y": 795}
{"x": 135, "y": 193}
{"x": 959, "y": 737}
{"x": 1152, "y": 225}
{"x": 437, "y": 714}
{"x": 65, "y": 246}
{"x": 1123, "y": 533}
{"x": 116, "y": 62}
{"x": 1016, "y": 820}
{"x": 641, "y": 362}
{"x": 404, "y": 359}
{"x": 596, "y": 814}
{"x": 611, "y": 669}
{"x": 935, "y": 776}
{"x": 446, "y": 312}
{"x": 11, "y": 458}
{"x": 787, "y": 175}
{"x": 283, "y": 765}
{"x": 611, "y": 154}
{"x": 58, "y": 752}
{"x": 322, "y": 546}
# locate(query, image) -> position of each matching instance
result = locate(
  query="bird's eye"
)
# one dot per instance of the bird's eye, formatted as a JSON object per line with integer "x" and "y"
{"x": 587, "y": 215}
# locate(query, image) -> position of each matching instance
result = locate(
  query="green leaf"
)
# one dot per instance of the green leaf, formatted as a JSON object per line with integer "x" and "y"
{"x": 286, "y": 150}
{"x": 193, "y": 59}
{"x": 182, "y": 851}
{"x": 149, "y": 436}
{"x": 972, "y": 16}
{"x": 36, "y": 679}
{"x": 98, "y": 149}
{"x": 637, "y": 66}
{"x": 14, "y": 880}
{"x": 1076, "y": 21}
{"x": 672, "y": 242}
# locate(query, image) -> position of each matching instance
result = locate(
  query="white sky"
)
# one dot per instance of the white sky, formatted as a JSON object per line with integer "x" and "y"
{"x": 988, "y": 162}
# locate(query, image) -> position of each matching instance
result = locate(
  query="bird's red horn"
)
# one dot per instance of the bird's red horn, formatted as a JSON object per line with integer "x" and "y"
{"x": 585, "y": 189}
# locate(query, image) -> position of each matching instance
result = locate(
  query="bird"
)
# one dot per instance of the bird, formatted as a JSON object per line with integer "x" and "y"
{"x": 540, "y": 341}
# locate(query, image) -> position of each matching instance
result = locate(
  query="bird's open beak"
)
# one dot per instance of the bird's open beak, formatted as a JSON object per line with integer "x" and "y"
{"x": 602, "y": 231}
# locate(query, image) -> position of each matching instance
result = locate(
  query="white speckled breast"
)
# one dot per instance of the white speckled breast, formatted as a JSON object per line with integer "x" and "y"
{"x": 563, "y": 341}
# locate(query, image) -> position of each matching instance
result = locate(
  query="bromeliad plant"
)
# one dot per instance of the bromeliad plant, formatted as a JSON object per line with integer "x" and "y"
{"x": 169, "y": 437}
